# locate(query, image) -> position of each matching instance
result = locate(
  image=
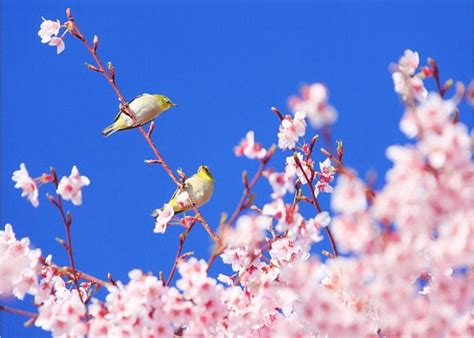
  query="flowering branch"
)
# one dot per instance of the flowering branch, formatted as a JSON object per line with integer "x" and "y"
{"x": 110, "y": 77}
{"x": 343, "y": 169}
{"x": 248, "y": 188}
{"x": 243, "y": 203}
{"x": 67, "y": 220}
{"x": 315, "y": 202}
{"x": 182, "y": 239}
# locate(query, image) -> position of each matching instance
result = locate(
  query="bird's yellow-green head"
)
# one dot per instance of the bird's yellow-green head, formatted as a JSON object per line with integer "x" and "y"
{"x": 164, "y": 102}
{"x": 204, "y": 172}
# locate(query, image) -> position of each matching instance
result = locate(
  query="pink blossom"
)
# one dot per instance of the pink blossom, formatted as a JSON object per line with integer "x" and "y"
{"x": 311, "y": 230}
{"x": 292, "y": 168}
{"x": 284, "y": 249}
{"x": 470, "y": 93}
{"x": 249, "y": 148}
{"x": 408, "y": 63}
{"x": 164, "y": 215}
{"x": 290, "y": 130}
{"x": 409, "y": 88}
{"x": 48, "y": 29}
{"x": 449, "y": 148}
{"x": 326, "y": 176}
{"x": 19, "y": 265}
{"x": 314, "y": 102}
{"x": 70, "y": 188}
{"x": 63, "y": 313}
{"x": 27, "y": 184}
{"x": 281, "y": 183}
{"x": 430, "y": 116}
{"x": 289, "y": 219}
{"x": 354, "y": 232}
{"x": 349, "y": 195}
{"x": 248, "y": 232}
{"x": 143, "y": 307}
{"x": 238, "y": 258}
{"x": 406, "y": 82}
{"x": 59, "y": 43}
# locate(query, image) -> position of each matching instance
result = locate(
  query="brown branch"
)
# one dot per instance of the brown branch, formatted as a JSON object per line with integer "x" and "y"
{"x": 110, "y": 77}
{"x": 182, "y": 239}
{"x": 249, "y": 187}
{"x": 316, "y": 204}
{"x": 67, "y": 220}
{"x": 18, "y": 311}
{"x": 80, "y": 274}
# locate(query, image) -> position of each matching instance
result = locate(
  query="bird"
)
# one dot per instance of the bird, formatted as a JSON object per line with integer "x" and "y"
{"x": 146, "y": 108}
{"x": 200, "y": 187}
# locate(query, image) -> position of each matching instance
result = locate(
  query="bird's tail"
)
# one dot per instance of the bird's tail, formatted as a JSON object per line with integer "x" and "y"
{"x": 109, "y": 130}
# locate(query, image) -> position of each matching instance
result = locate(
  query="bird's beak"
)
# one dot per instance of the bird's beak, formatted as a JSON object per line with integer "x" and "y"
{"x": 173, "y": 104}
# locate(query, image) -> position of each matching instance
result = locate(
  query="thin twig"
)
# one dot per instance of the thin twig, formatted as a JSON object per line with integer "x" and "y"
{"x": 182, "y": 239}
{"x": 18, "y": 311}
{"x": 316, "y": 204}
{"x": 67, "y": 220}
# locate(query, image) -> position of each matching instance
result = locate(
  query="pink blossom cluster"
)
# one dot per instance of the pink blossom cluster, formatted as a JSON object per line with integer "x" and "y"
{"x": 69, "y": 188}
{"x": 48, "y": 33}
{"x": 408, "y": 84}
{"x": 249, "y": 148}
{"x": 60, "y": 309}
{"x": 291, "y": 129}
{"x": 314, "y": 102}
{"x": 19, "y": 265}
{"x": 407, "y": 268}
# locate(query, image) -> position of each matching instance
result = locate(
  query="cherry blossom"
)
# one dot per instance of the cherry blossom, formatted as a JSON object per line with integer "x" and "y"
{"x": 164, "y": 215}
{"x": 409, "y": 62}
{"x": 19, "y": 265}
{"x": 326, "y": 176}
{"x": 284, "y": 249}
{"x": 354, "y": 231}
{"x": 349, "y": 195}
{"x": 406, "y": 82}
{"x": 59, "y": 43}
{"x": 281, "y": 183}
{"x": 248, "y": 232}
{"x": 288, "y": 218}
{"x": 249, "y": 148}
{"x": 27, "y": 184}
{"x": 292, "y": 168}
{"x": 48, "y": 30}
{"x": 314, "y": 102}
{"x": 70, "y": 188}
{"x": 62, "y": 313}
{"x": 431, "y": 116}
{"x": 291, "y": 128}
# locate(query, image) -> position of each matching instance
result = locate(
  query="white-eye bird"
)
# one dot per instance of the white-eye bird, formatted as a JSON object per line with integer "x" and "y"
{"x": 146, "y": 108}
{"x": 200, "y": 187}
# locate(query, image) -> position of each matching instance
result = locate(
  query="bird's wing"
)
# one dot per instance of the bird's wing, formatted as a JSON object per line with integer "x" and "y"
{"x": 129, "y": 103}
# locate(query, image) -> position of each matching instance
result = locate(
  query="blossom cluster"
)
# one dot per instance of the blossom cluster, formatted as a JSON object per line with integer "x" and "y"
{"x": 407, "y": 268}
{"x": 48, "y": 33}
{"x": 69, "y": 188}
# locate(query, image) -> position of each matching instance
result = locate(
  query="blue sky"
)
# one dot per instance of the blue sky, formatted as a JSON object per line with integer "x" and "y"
{"x": 225, "y": 64}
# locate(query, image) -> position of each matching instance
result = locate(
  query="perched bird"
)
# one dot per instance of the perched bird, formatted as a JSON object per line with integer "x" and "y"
{"x": 146, "y": 107}
{"x": 200, "y": 187}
